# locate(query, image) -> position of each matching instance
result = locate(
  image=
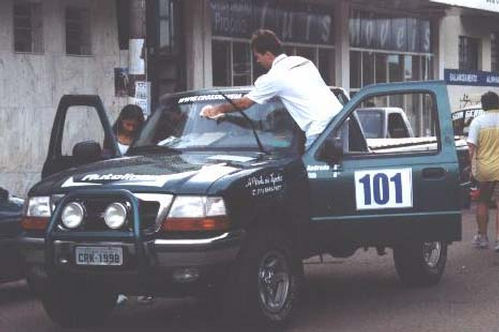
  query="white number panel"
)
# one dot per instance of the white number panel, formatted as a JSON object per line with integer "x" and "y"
{"x": 383, "y": 189}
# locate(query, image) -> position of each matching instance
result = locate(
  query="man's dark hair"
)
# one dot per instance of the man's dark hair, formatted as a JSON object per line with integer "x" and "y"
{"x": 266, "y": 40}
{"x": 490, "y": 101}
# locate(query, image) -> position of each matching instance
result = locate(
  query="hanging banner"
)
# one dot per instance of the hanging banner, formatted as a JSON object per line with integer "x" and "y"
{"x": 488, "y": 5}
{"x": 301, "y": 23}
{"x": 389, "y": 32}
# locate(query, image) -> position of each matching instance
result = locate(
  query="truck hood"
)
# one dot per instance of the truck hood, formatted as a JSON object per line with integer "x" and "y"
{"x": 187, "y": 173}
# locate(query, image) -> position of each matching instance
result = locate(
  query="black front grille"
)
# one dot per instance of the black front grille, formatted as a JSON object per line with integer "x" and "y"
{"x": 95, "y": 208}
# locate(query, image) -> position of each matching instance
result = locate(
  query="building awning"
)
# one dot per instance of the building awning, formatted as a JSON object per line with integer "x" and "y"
{"x": 486, "y": 5}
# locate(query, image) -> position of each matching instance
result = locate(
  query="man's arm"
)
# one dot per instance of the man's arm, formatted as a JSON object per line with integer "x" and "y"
{"x": 471, "y": 150}
{"x": 213, "y": 111}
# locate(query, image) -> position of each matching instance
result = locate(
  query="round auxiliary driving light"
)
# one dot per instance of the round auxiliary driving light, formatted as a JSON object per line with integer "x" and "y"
{"x": 72, "y": 215}
{"x": 115, "y": 215}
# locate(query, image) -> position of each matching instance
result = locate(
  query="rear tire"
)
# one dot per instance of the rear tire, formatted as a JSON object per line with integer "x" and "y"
{"x": 420, "y": 264}
{"x": 76, "y": 303}
{"x": 265, "y": 282}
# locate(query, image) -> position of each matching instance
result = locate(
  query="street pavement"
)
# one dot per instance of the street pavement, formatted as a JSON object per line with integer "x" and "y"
{"x": 360, "y": 293}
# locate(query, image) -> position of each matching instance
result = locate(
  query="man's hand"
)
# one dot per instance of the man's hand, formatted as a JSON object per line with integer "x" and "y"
{"x": 211, "y": 112}
{"x": 214, "y": 112}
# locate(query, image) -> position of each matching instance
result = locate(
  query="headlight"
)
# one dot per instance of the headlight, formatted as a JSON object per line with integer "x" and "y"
{"x": 38, "y": 206}
{"x": 36, "y": 213}
{"x": 197, "y": 213}
{"x": 115, "y": 215}
{"x": 72, "y": 215}
{"x": 197, "y": 207}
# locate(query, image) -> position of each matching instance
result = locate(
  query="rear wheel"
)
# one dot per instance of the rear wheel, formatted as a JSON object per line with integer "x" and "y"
{"x": 76, "y": 303}
{"x": 266, "y": 280}
{"x": 420, "y": 263}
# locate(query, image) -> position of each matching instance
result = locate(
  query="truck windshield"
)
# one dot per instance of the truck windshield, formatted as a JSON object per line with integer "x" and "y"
{"x": 372, "y": 123}
{"x": 178, "y": 125}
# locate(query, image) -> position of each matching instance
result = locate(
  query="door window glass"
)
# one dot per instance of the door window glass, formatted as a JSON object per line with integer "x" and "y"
{"x": 82, "y": 124}
{"x": 366, "y": 131}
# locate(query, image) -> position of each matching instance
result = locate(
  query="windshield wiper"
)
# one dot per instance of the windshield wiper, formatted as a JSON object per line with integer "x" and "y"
{"x": 252, "y": 125}
{"x": 152, "y": 148}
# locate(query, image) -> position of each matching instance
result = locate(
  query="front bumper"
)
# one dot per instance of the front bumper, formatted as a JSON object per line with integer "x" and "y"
{"x": 165, "y": 266}
{"x": 150, "y": 265}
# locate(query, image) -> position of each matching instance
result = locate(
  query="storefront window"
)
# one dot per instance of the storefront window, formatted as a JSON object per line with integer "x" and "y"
{"x": 308, "y": 53}
{"x": 395, "y": 68}
{"x": 221, "y": 67}
{"x": 367, "y": 68}
{"x": 241, "y": 64}
{"x": 468, "y": 53}
{"x": 381, "y": 76}
{"x": 233, "y": 62}
{"x": 305, "y": 30}
{"x": 494, "y": 50}
{"x": 355, "y": 70}
{"x": 408, "y": 68}
{"x": 326, "y": 65}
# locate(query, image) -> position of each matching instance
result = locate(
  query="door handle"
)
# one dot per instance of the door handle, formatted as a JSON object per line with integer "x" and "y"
{"x": 433, "y": 173}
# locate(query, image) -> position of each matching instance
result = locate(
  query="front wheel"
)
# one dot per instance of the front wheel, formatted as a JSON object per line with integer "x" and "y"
{"x": 76, "y": 303}
{"x": 420, "y": 263}
{"x": 266, "y": 280}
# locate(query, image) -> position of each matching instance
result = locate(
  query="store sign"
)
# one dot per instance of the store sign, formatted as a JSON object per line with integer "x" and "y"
{"x": 477, "y": 78}
{"x": 303, "y": 23}
{"x": 489, "y": 5}
{"x": 376, "y": 31}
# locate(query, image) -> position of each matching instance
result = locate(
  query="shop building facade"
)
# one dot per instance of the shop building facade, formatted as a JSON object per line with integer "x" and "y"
{"x": 356, "y": 43}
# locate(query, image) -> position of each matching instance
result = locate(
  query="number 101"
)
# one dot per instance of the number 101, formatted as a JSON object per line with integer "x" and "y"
{"x": 378, "y": 188}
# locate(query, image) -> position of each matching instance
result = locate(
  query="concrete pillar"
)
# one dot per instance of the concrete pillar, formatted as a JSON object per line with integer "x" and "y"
{"x": 197, "y": 28}
{"x": 438, "y": 47}
{"x": 136, "y": 50}
{"x": 342, "y": 44}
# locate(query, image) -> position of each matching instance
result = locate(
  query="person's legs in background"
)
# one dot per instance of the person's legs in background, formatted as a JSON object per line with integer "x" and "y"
{"x": 481, "y": 240}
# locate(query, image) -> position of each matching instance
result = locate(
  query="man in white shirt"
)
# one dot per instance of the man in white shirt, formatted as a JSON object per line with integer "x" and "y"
{"x": 295, "y": 80}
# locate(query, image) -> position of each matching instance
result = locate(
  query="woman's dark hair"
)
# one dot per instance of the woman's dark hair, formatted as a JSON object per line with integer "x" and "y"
{"x": 490, "y": 101}
{"x": 129, "y": 112}
{"x": 265, "y": 40}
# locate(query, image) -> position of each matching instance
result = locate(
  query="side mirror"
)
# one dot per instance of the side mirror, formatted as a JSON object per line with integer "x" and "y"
{"x": 87, "y": 152}
{"x": 332, "y": 150}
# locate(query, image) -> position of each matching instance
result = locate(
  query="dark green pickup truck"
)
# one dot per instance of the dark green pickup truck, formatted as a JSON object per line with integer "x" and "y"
{"x": 233, "y": 205}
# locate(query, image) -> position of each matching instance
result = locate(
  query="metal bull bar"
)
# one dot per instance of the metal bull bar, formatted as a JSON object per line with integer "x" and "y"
{"x": 110, "y": 235}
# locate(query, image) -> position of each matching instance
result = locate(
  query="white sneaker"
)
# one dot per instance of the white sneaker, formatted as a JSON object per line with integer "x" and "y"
{"x": 480, "y": 241}
{"x": 476, "y": 241}
{"x": 496, "y": 248}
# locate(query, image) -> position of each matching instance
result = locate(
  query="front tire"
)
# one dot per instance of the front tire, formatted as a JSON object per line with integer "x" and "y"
{"x": 266, "y": 280}
{"x": 420, "y": 264}
{"x": 76, "y": 303}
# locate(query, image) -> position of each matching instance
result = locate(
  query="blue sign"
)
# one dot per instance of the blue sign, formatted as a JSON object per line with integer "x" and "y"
{"x": 477, "y": 78}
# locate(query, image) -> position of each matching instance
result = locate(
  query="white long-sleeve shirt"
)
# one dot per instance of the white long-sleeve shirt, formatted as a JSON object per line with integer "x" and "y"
{"x": 299, "y": 85}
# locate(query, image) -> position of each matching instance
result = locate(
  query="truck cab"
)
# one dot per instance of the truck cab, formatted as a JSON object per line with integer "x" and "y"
{"x": 384, "y": 122}
{"x": 233, "y": 205}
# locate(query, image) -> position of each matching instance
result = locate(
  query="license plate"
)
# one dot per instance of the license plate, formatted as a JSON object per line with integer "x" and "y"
{"x": 99, "y": 256}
